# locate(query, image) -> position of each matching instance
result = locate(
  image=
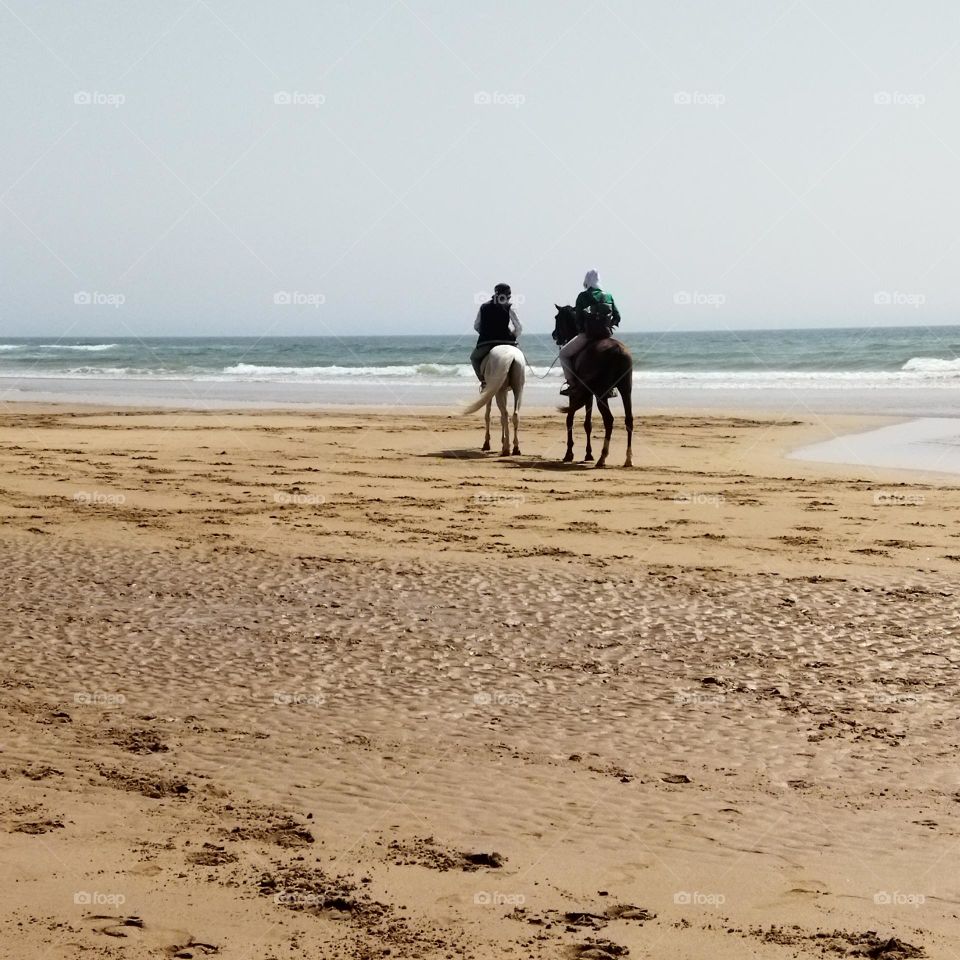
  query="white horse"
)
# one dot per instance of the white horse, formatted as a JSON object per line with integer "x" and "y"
{"x": 503, "y": 369}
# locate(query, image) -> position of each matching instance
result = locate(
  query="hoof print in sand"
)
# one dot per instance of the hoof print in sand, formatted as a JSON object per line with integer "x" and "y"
{"x": 283, "y": 833}
{"x": 840, "y": 941}
{"x": 33, "y": 827}
{"x": 598, "y": 950}
{"x": 156, "y": 788}
{"x": 116, "y": 926}
{"x": 211, "y": 855}
{"x": 426, "y": 852}
{"x": 193, "y": 948}
{"x": 138, "y": 741}
{"x": 573, "y": 919}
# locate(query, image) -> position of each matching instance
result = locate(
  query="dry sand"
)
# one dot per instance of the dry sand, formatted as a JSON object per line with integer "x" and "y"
{"x": 334, "y": 685}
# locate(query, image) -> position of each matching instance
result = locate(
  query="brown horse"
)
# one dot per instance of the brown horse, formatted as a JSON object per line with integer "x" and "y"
{"x": 599, "y": 367}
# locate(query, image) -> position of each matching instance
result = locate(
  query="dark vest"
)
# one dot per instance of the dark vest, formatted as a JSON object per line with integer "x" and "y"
{"x": 495, "y": 322}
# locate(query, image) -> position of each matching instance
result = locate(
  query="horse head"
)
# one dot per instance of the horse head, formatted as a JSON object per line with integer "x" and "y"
{"x": 565, "y": 324}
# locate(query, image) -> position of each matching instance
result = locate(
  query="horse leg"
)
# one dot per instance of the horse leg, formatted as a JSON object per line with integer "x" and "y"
{"x": 517, "y": 377}
{"x": 568, "y": 456}
{"x": 504, "y": 423}
{"x": 604, "y": 407}
{"x": 486, "y": 439}
{"x": 588, "y": 428}
{"x": 628, "y": 420}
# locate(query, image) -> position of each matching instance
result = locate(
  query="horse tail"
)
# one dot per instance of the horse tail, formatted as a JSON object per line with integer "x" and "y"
{"x": 495, "y": 381}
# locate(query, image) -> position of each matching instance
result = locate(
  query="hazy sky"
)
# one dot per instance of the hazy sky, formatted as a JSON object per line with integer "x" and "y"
{"x": 733, "y": 164}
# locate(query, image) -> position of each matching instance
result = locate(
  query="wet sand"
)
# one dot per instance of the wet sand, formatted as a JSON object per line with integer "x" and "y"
{"x": 299, "y": 685}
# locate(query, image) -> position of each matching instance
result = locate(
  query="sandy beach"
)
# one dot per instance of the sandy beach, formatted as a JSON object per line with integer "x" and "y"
{"x": 285, "y": 684}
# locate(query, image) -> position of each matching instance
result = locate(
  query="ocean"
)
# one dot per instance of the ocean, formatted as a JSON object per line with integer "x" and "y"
{"x": 881, "y": 370}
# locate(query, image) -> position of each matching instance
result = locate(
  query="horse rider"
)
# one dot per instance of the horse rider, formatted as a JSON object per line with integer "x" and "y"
{"x": 496, "y": 324}
{"x": 597, "y": 315}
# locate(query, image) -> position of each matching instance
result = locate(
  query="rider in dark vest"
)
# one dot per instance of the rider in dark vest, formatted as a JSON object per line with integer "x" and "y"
{"x": 496, "y": 324}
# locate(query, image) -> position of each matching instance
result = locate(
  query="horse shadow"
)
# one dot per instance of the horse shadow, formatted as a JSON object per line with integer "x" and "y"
{"x": 468, "y": 454}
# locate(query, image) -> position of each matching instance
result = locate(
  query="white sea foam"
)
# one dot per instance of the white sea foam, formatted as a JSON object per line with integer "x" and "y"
{"x": 92, "y": 347}
{"x": 933, "y": 365}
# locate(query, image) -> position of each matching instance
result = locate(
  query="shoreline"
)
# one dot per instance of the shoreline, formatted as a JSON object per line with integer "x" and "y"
{"x": 903, "y": 402}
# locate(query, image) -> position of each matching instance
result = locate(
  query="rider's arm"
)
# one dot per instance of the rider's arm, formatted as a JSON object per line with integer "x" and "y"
{"x": 476, "y": 323}
{"x": 616, "y": 313}
{"x": 515, "y": 327}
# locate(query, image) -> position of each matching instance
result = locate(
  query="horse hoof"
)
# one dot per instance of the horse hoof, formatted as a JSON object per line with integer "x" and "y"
{"x": 588, "y": 458}
{"x": 504, "y": 453}
{"x": 486, "y": 448}
{"x": 601, "y": 463}
{"x": 568, "y": 458}
{"x": 628, "y": 462}
{"x": 516, "y": 452}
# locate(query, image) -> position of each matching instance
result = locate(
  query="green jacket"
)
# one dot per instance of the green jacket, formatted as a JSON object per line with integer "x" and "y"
{"x": 592, "y": 322}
